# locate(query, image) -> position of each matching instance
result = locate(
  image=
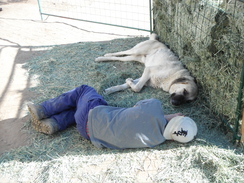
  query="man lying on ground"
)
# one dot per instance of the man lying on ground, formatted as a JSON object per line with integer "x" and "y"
{"x": 143, "y": 125}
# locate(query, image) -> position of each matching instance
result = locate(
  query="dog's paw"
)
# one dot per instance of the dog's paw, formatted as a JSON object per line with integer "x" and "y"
{"x": 99, "y": 59}
{"x": 108, "y": 55}
{"x": 129, "y": 81}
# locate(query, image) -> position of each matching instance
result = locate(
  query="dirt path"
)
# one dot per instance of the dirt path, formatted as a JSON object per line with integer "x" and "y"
{"x": 23, "y": 36}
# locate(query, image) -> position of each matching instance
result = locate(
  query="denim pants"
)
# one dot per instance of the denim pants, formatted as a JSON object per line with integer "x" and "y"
{"x": 73, "y": 107}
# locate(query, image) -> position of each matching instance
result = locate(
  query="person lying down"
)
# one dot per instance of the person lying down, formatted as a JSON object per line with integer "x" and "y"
{"x": 143, "y": 125}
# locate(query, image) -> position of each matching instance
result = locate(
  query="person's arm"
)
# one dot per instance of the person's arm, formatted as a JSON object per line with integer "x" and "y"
{"x": 168, "y": 117}
{"x": 144, "y": 101}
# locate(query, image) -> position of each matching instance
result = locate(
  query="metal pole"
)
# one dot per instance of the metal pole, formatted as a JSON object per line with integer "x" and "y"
{"x": 40, "y": 10}
{"x": 150, "y": 13}
{"x": 239, "y": 104}
{"x": 95, "y": 22}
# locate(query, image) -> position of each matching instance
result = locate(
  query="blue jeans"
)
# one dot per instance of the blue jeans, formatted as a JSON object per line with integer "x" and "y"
{"x": 73, "y": 107}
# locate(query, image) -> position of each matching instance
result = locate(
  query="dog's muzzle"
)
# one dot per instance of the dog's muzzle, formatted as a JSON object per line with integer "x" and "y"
{"x": 177, "y": 99}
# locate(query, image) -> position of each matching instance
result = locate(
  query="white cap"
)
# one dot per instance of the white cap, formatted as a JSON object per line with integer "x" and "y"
{"x": 181, "y": 129}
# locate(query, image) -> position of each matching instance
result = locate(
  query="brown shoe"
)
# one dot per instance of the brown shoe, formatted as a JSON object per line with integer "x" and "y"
{"x": 48, "y": 126}
{"x": 36, "y": 111}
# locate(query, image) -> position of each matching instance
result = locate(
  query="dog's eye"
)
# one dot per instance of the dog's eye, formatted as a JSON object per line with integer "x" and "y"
{"x": 185, "y": 92}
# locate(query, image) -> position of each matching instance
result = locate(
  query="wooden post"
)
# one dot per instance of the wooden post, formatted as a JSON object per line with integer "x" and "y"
{"x": 242, "y": 128}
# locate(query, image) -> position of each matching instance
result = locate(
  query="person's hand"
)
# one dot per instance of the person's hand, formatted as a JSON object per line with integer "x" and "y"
{"x": 170, "y": 116}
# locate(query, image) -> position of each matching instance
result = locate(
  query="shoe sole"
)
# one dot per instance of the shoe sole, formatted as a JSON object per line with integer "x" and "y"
{"x": 38, "y": 125}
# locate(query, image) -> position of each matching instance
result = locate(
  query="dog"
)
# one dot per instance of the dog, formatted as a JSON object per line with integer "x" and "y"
{"x": 163, "y": 69}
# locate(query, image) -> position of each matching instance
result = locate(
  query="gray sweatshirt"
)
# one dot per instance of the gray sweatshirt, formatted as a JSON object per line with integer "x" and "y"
{"x": 119, "y": 128}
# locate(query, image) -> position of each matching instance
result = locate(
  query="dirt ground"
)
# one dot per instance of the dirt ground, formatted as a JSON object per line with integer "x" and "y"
{"x": 24, "y": 36}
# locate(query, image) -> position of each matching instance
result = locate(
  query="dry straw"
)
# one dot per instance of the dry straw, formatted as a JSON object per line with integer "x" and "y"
{"x": 67, "y": 157}
{"x": 208, "y": 37}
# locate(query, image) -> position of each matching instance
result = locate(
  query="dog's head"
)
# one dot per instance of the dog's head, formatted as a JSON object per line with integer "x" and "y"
{"x": 182, "y": 90}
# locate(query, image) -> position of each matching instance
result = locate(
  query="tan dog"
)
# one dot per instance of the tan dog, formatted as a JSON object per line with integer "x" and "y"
{"x": 162, "y": 70}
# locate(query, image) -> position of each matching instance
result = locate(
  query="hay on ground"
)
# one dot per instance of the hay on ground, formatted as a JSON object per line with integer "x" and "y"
{"x": 67, "y": 157}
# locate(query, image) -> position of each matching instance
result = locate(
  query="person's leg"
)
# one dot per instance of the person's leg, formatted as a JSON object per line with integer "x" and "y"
{"x": 81, "y": 115}
{"x": 55, "y": 110}
{"x": 55, "y": 123}
{"x": 89, "y": 100}
{"x": 63, "y": 102}
{"x": 65, "y": 119}
{"x": 58, "y": 104}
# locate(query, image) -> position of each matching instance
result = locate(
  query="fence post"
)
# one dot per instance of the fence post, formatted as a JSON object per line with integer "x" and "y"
{"x": 150, "y": 13}
{"x": 242, "y": 128}
{"x": 40, "y": 10}
{"x": 239, "y": 105}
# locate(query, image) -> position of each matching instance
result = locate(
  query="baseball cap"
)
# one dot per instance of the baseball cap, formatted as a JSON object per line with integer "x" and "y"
{"x": 181, "y": 129}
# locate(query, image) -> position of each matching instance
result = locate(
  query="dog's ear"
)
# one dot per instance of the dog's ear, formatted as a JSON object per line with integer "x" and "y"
{"x": 195, "y": 80}
{"x": 157, "y": 37}
{"x": 154, "y": 36}
{"x": 180, "y": 80}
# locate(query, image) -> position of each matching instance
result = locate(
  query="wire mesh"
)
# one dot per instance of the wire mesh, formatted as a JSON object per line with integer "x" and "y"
{"x": 208, "y": 37}
{"x": 123, "y": 13}
{"x": 206, "y": 34}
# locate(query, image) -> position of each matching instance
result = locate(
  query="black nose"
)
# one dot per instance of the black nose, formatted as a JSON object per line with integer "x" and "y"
{"x": 177, "y": 99}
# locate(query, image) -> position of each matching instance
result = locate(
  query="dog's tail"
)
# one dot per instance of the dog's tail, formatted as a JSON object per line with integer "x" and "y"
{"x": 154, "y": 36}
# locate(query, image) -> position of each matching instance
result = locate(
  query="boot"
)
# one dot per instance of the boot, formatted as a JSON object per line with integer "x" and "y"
{"x": 48, "y": 126}
{"x": 36, "y": 111}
